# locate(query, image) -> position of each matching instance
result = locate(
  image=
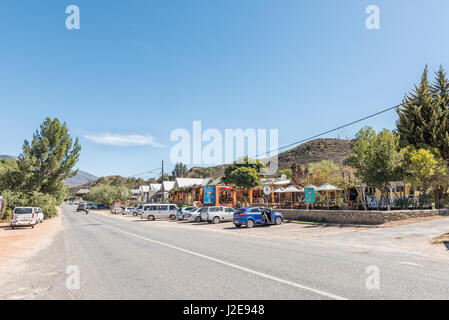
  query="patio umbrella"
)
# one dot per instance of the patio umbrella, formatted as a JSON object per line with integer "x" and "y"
{"x": 327, "y": 187}
{"x": 278, "y": 190}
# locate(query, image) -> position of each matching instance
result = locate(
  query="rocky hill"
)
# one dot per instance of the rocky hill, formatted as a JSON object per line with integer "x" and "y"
{"x": 313, "y": 151}
{"x": 132, "y": 183}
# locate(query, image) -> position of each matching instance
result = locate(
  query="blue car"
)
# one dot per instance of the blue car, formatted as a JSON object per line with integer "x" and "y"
{"x": 256, "y": 216}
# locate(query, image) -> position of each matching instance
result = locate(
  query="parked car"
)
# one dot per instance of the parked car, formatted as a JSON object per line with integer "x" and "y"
{"x": 91, "y": 206}
{"x": 182, "y": 211}
{"x": 128, "y": 210}
{"x": 253, "y": 216}
{"x": 217, "y": 214}
{"x": 40, "y": 215}
{"x": 194, "y": 215}
{"x": 138, "y": 211}
{"x": 159, "y": 211}
{"x": 24, "y": 217}
{"x": 102, "y": 207}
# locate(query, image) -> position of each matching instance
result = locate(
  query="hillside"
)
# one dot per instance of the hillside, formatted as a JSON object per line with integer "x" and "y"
{"x": 81, "y": 178}
{"x": 132, "y": 183}
{"x": 313, "y": 151}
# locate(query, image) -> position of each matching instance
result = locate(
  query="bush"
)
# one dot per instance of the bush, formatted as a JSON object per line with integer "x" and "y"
{"x": 33, "y": 199}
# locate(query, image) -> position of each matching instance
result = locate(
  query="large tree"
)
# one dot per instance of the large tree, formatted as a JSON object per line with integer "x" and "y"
{"x": 48, "y": 159}
{"x": 377, "y": 159}
{"x": 423, "y": 115}
{"x": 180, "y": 171}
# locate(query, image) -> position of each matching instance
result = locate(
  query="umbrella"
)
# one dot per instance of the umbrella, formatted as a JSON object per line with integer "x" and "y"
{"x": 327, "y": 187}
{"x": 278, "y": 190}
{"x": 293, "y": 189}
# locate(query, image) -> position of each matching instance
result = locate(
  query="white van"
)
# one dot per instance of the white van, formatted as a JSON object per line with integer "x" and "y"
{"x": 217, "y": 214}
{"x": 24, "y": 217}
{"x": 159, "y": 211}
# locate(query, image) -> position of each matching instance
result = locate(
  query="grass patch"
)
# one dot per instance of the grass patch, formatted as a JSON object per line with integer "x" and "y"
{"x": 307, "y": 222}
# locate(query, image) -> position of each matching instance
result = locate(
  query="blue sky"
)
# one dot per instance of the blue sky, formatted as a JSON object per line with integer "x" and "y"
{"x": 139, "y": 69}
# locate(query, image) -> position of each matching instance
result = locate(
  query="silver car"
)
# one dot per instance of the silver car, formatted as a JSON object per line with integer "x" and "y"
{"x": 194, "y": 215}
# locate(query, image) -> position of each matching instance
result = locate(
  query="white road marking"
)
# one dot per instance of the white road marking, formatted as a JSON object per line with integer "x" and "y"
{"x": 257, "y": 273}
{"x": 409, "y": 263}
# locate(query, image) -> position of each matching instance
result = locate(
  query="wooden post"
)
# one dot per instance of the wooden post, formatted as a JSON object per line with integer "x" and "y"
{"x": 217, "y": 196}
{"x": 250, "y": 196}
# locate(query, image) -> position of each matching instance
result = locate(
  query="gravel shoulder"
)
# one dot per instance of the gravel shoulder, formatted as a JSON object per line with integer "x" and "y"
{"x": 18, "y": 245}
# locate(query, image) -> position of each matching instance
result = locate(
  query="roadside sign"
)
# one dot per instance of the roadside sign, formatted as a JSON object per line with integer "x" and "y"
{"x": 267, "y": 190}
{"x": 310, "y": 195}
{"x": 209, "y": 195}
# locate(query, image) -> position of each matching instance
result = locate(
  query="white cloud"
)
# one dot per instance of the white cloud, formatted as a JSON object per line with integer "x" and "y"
{"x": 124, "y": 140}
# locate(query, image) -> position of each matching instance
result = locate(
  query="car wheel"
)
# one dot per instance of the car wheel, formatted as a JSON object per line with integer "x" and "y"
{"x": 278, "y": 220}
{"x": 250, "y": 223}
{"x": 151, "y": 218}
{"x": 198, "y": 219}
{"x": 172, "y": 217}
{"x": 216, "y": 220}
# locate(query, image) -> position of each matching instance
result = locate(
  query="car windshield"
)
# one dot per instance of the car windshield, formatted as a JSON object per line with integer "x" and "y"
{"x": 23, "y": 211}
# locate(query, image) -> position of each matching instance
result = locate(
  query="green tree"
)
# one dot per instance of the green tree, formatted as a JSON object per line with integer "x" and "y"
{"x": 180, "y": 170}
{"x": 377, "y": 159}
{"x": 287, "y": 172}
{"x": 244, "y": 177}
{"x": 425, "y": 170}
{"x": 108, "y": 194}
{"x": 48, "y": 159}
{"x": 423, "y": 116}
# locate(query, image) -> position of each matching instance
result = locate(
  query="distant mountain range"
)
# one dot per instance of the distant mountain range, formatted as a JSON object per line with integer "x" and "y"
{"x": 80, "y": 179}
{"x": 4, "y": 156}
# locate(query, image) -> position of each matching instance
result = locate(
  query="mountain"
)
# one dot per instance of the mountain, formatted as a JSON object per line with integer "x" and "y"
{"x": 336, "y": 150}
{"x": 4, "y": 156}
{"x": 80, "y": 179}
{"x": 116, "y": 181}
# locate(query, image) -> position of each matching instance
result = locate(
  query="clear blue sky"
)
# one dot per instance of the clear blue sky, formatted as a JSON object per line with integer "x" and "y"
{"x": 144, "y": 68}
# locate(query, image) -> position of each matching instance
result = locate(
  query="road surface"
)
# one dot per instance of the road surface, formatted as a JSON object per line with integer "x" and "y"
{"x": 134, "y": 259}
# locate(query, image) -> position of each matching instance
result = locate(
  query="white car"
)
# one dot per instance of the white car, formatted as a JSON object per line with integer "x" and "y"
{"x": 217, "y": 214}
{"x": 40, "y": 215}
{"x": 194, "y": 215}
{"x": 159, "y": 211}
{"x": 24, "y": 217}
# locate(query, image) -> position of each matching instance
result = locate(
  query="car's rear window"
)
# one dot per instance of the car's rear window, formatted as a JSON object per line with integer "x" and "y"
{"x": 240, "y": 211}
{"x": 23, "y": 211}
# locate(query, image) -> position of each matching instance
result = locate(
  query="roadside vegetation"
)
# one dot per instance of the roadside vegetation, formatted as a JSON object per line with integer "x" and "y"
{"x": 36, "y": 177}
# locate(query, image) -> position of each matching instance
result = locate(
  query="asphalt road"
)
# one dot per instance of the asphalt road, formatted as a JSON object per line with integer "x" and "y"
{"x": 133, "y": 259}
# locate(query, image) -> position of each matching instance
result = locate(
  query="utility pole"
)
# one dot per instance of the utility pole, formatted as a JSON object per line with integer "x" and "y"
{"x": 162, "y": 178}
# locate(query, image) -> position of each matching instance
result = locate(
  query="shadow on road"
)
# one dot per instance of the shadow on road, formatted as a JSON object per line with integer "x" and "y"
{"x": 446, "y": 244}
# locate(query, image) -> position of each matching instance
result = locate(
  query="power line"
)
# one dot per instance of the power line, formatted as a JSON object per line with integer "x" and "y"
{"x": 151, "y": 171}
{"x": 329, "y": 131}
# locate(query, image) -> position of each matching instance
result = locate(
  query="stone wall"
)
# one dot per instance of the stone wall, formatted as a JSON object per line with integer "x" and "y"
{"x": 358, "y": 217}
